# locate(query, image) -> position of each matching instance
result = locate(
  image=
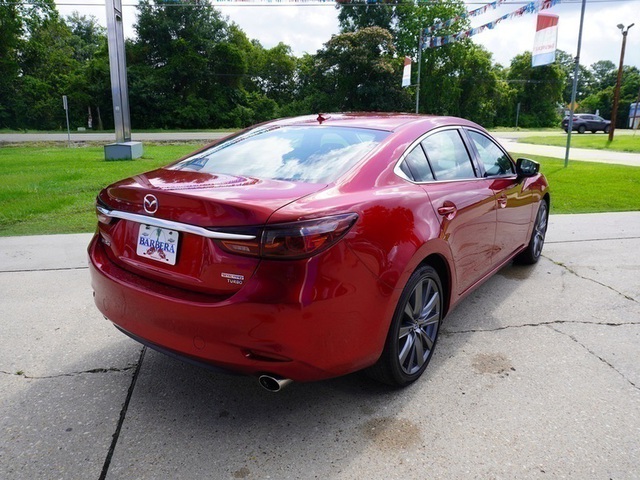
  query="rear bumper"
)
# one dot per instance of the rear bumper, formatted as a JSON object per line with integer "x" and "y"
{"x": 305, "y": 320}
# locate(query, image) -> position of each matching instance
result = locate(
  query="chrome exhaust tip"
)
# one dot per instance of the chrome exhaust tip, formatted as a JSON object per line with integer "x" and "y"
{"x": 273, "y": 383}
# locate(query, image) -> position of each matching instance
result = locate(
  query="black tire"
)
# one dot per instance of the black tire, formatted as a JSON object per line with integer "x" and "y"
{"x": 532, "y": 253}
{"x": 413, "y": 332}
{"x": 581, "y": 129}
{"x": 606, "y": 129}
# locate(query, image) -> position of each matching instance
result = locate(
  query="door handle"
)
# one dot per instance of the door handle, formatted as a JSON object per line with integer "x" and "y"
{"x": 448, "y": 210}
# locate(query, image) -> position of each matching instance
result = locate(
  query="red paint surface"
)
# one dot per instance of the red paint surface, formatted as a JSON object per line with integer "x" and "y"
{"x": 315, "y": 318}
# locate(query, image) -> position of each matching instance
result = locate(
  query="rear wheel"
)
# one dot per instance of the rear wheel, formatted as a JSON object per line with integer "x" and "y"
{"x": 413, "y": 332}
{"x": 581, "y": 129}
{"x": 533, "y": 251}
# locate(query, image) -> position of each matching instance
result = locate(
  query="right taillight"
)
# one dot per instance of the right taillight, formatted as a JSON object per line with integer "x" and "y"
{"x": 294, "y": 240}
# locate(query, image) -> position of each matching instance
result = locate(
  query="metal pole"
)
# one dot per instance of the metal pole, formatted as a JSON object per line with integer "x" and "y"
{"x": 574, "y": 88}
{"x": 616, "y": 95}
{"x": 517, "y": 114}
{"x": 65, "y": 105}
{"x": 118, "y": 69}
{"x": 419, "y": 68}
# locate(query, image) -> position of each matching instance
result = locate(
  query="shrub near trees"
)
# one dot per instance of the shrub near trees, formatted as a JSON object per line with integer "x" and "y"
{"x": 190, "y": 67}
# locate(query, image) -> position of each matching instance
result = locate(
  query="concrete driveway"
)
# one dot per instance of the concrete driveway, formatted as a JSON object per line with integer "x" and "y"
{"x": 537, "y": 375}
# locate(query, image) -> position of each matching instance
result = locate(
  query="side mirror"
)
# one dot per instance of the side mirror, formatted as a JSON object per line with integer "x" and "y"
{"x": 526, "y": 167}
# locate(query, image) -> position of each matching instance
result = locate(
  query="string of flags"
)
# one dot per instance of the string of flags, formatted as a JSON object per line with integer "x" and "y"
{"x": 532, "y": 7}
{"x": 471, "y": 14}
{"x": 284, "y": 2}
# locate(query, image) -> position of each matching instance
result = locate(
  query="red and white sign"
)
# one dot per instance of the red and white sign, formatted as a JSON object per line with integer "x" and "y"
{"x": 544, "y": 44}
{"x": 406, "y": 72}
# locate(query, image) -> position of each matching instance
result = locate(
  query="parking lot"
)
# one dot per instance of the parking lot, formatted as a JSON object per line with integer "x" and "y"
{"x": 536, "y": 375}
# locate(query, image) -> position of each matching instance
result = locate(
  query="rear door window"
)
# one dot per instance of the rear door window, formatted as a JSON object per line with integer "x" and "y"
{"x": 448, "y": 156}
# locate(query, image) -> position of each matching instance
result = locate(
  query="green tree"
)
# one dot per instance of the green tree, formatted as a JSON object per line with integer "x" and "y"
{"x": 604, "y": 74}
{"x": 585, "y": 78}
{"x": 602, "y": 100}
{"x": 356, "y": 14}
{"x": 358, "y": 71}
{"x": 11, "y": 29}
{"x": 274, "y": 73}
{"x": 182, "y": 69}
{"x": 538, "y": 89}
{"x": 48, "y": 68}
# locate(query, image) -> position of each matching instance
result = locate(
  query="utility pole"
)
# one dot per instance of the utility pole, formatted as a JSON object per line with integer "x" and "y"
{"x": 574, "y": 88}
{"x": 419, "y": 67}
{"x": 124, "y": 148}
{"x": 616, "y": 95}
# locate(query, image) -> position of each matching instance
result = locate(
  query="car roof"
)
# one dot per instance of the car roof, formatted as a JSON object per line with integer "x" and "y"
{"x": 375, "y": 120}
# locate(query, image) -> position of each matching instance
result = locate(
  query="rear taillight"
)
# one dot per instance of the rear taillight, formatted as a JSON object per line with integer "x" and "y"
{"x": 100, "y": 213}
{"x": 294, "y": 240}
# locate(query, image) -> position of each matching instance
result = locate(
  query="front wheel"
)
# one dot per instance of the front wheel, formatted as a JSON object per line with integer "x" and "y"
{"x": 533, "y": 251}
{"x": 581, "y": 129}
{"x": 413, "y": 332}
{"x": 606, "y": 129}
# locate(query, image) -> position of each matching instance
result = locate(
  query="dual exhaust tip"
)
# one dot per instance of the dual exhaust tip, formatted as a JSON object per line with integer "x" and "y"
{"x": 273, "y": 383}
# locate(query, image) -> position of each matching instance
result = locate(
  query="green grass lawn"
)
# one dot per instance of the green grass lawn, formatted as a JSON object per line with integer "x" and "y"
{"x": 600, "y": 141}
{"x": 51, "y": 189}
{"x": 587, "y": 187}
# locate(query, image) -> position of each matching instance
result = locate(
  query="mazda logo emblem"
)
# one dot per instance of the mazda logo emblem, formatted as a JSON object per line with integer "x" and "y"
{"x": 150, "y": 204}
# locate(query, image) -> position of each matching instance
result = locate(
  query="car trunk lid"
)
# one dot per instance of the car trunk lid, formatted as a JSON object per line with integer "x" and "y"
{"x": 164, "y": 221}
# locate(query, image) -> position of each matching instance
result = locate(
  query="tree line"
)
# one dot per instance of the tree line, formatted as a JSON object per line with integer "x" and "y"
{"x": 190, "y": 67}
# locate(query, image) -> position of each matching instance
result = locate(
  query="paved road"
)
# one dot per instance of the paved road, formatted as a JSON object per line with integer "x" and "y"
{"x": 109, "y": 137}
{"x": 536, "y": 375}
{"x": 575, "y": 154}
{"x": 508, "y": 139}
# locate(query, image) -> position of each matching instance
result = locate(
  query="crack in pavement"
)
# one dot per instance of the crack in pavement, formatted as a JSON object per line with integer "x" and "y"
{"x": 637, "y": 387}
{"x": 549, "y": 325}
{"x": 44, "y": 270}
{"x": 591, "y": 240}
{"x": 123, "y": 414}
{"x": 21, "y": 373}
{"x": 539, "y": 324}
{"x": 570, "y": 270}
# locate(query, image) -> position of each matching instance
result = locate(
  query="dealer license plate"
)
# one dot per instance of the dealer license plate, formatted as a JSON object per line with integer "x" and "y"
{"x": 157, "y": 243}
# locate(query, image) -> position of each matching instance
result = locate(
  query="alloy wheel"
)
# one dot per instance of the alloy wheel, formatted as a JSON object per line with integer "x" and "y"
{"x": 419, "y": 326}
{"x": 540, "y": 229}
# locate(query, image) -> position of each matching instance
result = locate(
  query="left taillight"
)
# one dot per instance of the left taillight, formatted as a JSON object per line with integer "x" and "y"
{"x": 294, "y": 240}
{"x": 100, "y": 213}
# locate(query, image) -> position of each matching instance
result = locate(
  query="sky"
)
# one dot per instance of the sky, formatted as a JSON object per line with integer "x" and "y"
{"x": 307, "y": 27}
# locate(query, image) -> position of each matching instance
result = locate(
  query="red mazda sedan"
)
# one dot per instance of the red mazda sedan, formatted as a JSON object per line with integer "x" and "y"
{"x": 311, "y": 247}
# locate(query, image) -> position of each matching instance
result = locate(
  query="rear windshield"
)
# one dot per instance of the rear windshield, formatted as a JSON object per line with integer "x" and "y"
{"x": 315, "y": 154}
